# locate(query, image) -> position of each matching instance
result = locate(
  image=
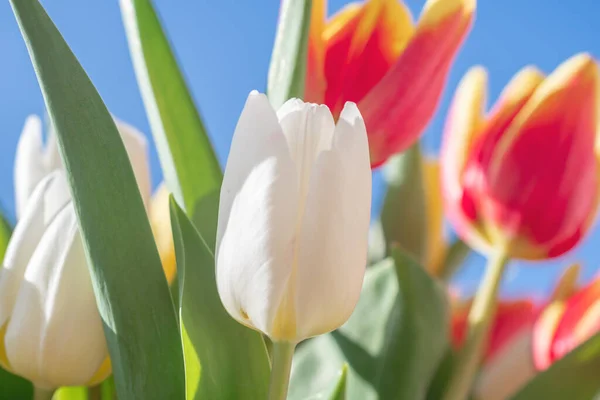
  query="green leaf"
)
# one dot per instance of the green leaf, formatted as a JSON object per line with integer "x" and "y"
{"x": 339, "y": 391}
{"x": 224, "y": 360}
{"x": 288, "y": 62}
{"x": 133, "y": 297}
{"x": 14, "y": 387}
{"x": 71, "y": 393}
{"x": 575, "y": 376}
{"x": 404, "y": 212}
{"x": 455, "y": 257}
{"x": 190, "y": 166}
{"x": 5, "y": 232}
{"x": 393, "y": 342}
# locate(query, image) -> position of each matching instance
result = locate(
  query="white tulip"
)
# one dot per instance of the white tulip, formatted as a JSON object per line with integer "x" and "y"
{"x": 50, "y": 328}
{"x": 294, "y": 218}
{"x": 34, "y": 161}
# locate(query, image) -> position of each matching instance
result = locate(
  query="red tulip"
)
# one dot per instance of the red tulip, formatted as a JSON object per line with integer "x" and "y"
{"x": 524, "y": 178}
{"x": 371, "y": 53}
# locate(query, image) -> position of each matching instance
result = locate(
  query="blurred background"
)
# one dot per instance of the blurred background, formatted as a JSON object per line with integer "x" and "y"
{"x": 224, "y": 49}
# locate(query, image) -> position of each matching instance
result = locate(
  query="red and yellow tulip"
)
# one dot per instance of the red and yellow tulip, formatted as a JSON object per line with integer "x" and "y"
{"x": 524, "y": 178}
{"x": 566, "y": 322}
{"x": 372, "y": 53}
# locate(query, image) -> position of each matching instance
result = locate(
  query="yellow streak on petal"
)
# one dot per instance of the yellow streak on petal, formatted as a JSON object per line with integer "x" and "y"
{"x": 436, "y": 243}
{"x": 546, "y": 328}
{"x": 160, "y": 220}
{"x": 340, "y": 19}
{"x": 464, "y": 123}
{"x": 588, "y": 323}
{"x": 3, "y": 356}
{"x": 436, "y": 11}
{"x": 567, "y": 283}
{"x": 102, "y": 373}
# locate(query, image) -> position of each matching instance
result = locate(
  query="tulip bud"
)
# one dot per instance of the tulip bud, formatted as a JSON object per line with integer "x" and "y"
{"x": 294, "y": 218}
{"x": 373, "y": 54}
{"x": 50, "y": 329}
{"x": 33, "y": 160}
{"x": 160, "y": 220}
{"x": 525, "y": 178}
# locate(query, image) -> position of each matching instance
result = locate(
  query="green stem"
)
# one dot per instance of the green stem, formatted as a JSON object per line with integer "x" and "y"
{"x": 42, "y": 394}
{"x": 480, "y": 317}
{"x": 280, "y": 371}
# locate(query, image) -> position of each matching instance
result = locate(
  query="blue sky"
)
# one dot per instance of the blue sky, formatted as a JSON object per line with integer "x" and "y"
{"x": 224, "y": 49}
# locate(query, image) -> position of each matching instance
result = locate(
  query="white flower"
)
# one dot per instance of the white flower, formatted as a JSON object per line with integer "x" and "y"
{"x": 50, "y": 329}
{"x": 34, "y": 161}
{"x": 294, "y": 218}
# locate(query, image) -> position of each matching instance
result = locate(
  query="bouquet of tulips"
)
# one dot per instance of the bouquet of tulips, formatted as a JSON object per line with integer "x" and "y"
{"x": 268, "y": 279}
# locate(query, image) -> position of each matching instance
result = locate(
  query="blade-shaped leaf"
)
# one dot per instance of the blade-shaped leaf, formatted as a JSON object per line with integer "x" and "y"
{"x": 188, "y": 161}
{"x": 133, "y": 297}
{"x": 393, "y": 342}
{"x": 288, "y": 61}
{"x": 575, "y": 376}
{"x": 224, "y": 360}
{"x": 404, "y": 215}
{"x": 339, "y": 391}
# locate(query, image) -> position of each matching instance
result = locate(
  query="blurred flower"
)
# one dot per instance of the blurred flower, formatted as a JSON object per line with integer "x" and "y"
{"x": 373, "y": 54}
{"x": 160, "y": 219}
{"x": 508, "y": 361}
{"x": 514, "y": 362}
{"x": 50, "y": 329}
{"x": 525, "y": 177}
{"x": 294, "y": 218}
{"x": 34, "y": 161}
{"x": 567, "y": 321}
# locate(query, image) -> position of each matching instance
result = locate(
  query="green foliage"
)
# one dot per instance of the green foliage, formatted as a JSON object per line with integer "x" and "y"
{"x": 133, "y": 297}
{"x": 393, "y": 343}
{"x": 223, "y": 359}
{"x": 575, "y": 376}
{"x": 188, "y": 161}
{"x": 288, "y": 62}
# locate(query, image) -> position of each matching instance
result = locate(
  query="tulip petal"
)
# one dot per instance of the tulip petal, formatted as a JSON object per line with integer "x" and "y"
{"x": 398, "y": 108}
{"x": 580, "y": 320}
{"x": 333, "y": 237}
{"x": 362, "y": 42}
{"x": 29, "y": 162}
{"x": 55, "y": 322}
{"x": 257, "y": 217}
{"x": 137, "y": 150}
{"x": 314, "y": 90}
{"x": 436, "y": 243}
{"x": 463, "y": 127}
{"x": 49, "y": 197}
{"x": 558, "y": 173}
{"x": 160, "y": 220}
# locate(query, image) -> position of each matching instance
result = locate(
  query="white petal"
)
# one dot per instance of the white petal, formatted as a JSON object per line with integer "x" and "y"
{"x": 257, "y": 214}
{"x": 137, "y": 150}
{"x": 50, "y": 196}
{"x": 333, "y": 241}
{"x": 308, "y": 129}
{"x": 29, "y": 163}
{"x": 55, "y": 335}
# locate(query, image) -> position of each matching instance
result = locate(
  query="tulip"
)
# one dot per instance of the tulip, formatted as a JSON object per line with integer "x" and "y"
{"x": 50, "y": 329}
{"x": 512, "y": 362}
{"x": 293, "y": 223}
{"x": 507, "y": 363}
{"x": 34, "y": 161}
{"x": 373, "y": 54}
{"x": 294, "y": 218}
{"x": 524, "y": 179}
{"x": 160, "y": 220}
{"x": 566, "y": 322}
